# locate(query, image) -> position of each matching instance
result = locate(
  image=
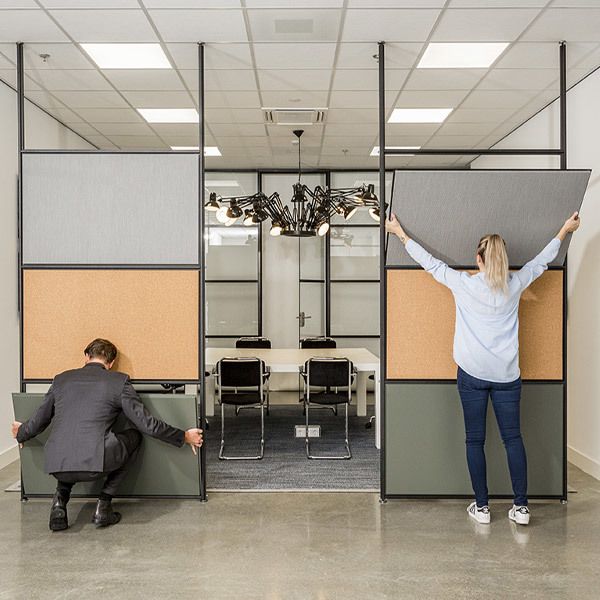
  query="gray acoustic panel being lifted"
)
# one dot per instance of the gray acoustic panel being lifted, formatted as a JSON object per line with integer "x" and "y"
{"x": 447, "y": 212}
{"x": 97, "y": 208}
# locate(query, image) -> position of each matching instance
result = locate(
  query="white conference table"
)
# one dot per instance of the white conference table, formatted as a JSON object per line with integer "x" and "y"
{"x": 288, "y": 360}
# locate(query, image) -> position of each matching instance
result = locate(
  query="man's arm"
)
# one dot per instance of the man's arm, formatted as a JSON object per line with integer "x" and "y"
{"x": 38, "y": 421}
{"x": 141, "y": 417}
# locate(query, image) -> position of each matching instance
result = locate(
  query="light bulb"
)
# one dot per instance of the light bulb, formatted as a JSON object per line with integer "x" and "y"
{"x": 349, "y": 212}
{"x": 230, "y": 222}
{"x": 323, "y": 228}
{"x": 222, "y": 215}
{"x": 275, "y": 230}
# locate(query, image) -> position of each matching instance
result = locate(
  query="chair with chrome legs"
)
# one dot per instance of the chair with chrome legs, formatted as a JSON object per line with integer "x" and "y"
{"x": 257, "y": 342}
{"x": 336, "y": 376}
{"x": 241, "y": 384}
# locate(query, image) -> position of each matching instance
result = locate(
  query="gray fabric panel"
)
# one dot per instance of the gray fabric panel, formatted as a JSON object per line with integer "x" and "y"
{"x": 447, "y": 212}
{"x": 159, "y": 470}
{"x": 425, "y": 441}
{"x": 110, "y": 208}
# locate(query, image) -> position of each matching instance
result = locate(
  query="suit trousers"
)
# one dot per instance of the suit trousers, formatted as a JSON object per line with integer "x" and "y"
{"x": 130, "y": 441}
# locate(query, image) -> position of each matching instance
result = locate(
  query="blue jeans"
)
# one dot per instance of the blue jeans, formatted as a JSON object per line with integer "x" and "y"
{"x": 506, "y": 400}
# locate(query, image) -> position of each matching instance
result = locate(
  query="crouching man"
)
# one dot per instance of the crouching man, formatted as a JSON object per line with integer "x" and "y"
{"x": 83, "y": 405}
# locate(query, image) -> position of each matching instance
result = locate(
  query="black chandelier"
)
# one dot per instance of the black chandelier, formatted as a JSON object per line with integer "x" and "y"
{"x": 311, "y": 210}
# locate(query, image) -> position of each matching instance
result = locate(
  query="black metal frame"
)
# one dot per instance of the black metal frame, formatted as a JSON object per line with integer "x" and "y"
{"x": 199, "y": 266}
{"x": 562, "y": 153}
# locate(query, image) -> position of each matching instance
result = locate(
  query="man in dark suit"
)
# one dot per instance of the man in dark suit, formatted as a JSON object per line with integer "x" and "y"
{"x": 83, "y": 405}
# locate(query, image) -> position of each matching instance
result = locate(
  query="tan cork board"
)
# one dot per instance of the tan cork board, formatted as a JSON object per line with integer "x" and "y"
{"x": 420, "y": 327}
{"x": 150, "y": 315}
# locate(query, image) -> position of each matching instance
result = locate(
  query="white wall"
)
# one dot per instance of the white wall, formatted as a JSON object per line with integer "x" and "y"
{"x": 583, "y": 137}
{"x": 42, "y": 132}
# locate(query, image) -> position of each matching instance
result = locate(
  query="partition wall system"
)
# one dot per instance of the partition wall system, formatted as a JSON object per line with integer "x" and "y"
{"x": 165, "y": 275}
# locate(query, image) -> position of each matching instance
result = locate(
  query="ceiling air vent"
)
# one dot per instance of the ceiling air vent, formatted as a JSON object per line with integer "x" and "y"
{"x": 295, "y": 116}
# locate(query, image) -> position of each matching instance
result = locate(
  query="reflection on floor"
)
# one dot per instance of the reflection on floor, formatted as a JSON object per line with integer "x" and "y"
{"x": 302, "y": 547}
{"x": 285, "y": 466}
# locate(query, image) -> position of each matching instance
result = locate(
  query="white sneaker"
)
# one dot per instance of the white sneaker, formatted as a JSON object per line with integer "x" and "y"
{"x": 519, "y": 514}
{"x": 481, "y": 515}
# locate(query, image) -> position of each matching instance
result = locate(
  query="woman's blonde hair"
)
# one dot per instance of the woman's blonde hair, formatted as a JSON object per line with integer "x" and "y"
{"x": 492, "y": 250}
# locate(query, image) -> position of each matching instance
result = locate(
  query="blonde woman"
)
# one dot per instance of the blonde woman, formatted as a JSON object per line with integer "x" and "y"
{"x": 486, "y": 350}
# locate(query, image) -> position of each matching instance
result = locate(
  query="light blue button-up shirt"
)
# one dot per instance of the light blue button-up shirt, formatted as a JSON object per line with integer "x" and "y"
{"x": 486, "y": 336}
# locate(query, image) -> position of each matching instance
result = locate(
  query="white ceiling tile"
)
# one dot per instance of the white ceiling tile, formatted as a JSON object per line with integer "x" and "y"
{"x": 435, "y": 162}
{"x": 444, "y": 79}
{"x": 453, "y": 141}
{"x": 485, "y": 25}
{"x": 295, "y": 99}
{"x": 229, "y": 79}
{"x": 361, "y": 129}
{"x": 109, "y": 115}
{"x": 497, "y": 3}
{"x": 570, "y": 24}
{"x": 588, "y": 60}
{"x": 475, "y": 129}
{"x": 44, "y": 99}
{"x": 62, "y": 56}
{"x": 294, "y": 25}
{"x": 184, "y": 129}
{"x": 411, "y": 129}
{"x": 294, "y": 56}
{"x": 138, "y": 141}
{"x": 228, "y": 115}
{"x": 368, "y": 79}
{"x": 216, "y": 56}
{"x": 100, "y": 141}
{"x": 311, "y": 135}
{"x": 144, "y": 79}
{"x": 192, "y": 3}
{"x": 291, "y": 4}
{"x": 238, "y": 99}
{"x": 430, "y": 98}
{"x": 518, "y": 79}
{"x": 5, "y": 63}
{"x": 503, "y": 99}
{"x": 575, "y": 3}
{"x": 87, "y": 99}
{"x": 541, "y": 55}
{"x": 386, "y": 24}
{"x": 105, "y": 25}
{"x": 85, "y": 79}
{"x": 65, "y": 115}
{"x": 9, "y": 76}
{"x": 479, "y": 115}
{"x": 83, "y": 129}
{"x": 360, "y": 99}
{"x": 353, "y": 115}
{"x": 123, "y": 128}
{"x": 396, "y": 3}
{"x": 159, "y": 99}
{"x": 54, "y": 4}
{"x": 393, "y": 139}
{"x": 362, "y": 55}
{"x": 200, "y": 25}
{"x": 234, "y": 130}
{"x": 18, "y": 4}
{"x": 294, "y": 79}
{"x": 574, "y": 76}
{"x": 28, "y": 26}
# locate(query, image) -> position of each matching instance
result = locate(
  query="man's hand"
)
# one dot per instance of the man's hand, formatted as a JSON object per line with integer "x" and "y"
{"x": 392, "y": 225}
{"x": 193, "y": 437}
{"x": 571, "y": 224}
{"x": 14, "y": 429}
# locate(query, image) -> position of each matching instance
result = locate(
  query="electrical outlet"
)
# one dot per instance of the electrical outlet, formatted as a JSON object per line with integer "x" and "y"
{"x": 313, "y": 431}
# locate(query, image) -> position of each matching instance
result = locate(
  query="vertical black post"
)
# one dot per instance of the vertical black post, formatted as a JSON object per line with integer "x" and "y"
{"x": 563, "y": 104}
{"x": 21, "y": 142}
{"x": 328, "y": 266}
{"x": 260, "y": 262}
{"x": 382, "y": 273}
{"x": 202, "y": 271}
{"x": 563, "y": 165}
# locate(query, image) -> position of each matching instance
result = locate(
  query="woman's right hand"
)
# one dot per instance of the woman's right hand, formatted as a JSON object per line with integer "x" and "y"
{"x": 571, "y": 224}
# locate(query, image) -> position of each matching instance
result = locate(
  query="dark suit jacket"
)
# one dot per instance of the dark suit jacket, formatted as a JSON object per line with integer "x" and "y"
{"x": 83, "y": 405}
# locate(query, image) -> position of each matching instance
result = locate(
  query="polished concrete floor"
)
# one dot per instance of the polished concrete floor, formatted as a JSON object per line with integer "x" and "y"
{"x": 301, "y": 546}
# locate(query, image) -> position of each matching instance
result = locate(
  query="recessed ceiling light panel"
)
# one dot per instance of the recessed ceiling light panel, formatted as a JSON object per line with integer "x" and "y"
{"x": 169, "y": 115}
{"x": 461, "y": 55}
{"x": 208, "y": 151}
{"x": 419, "y": 115}
{"x": 128, "y": 56}
{"x": 375, "y": 151}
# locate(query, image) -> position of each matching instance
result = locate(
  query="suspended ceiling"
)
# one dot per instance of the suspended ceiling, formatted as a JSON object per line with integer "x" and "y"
{"x": 297, "y": 54}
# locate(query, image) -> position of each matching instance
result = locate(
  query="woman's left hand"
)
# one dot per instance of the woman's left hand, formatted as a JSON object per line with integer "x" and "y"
{"x": 392, "y": 225}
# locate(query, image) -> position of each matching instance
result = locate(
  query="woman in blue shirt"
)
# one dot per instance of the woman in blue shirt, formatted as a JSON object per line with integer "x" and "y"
{"x": 486, "y": 350}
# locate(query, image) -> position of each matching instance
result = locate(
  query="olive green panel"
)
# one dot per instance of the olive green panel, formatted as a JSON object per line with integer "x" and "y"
{"x": 159, "y": 469}
{"x": 425, "y": 441}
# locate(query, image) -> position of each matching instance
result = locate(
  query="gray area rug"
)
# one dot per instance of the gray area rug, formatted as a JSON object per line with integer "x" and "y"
{"x": 285, "y": 466}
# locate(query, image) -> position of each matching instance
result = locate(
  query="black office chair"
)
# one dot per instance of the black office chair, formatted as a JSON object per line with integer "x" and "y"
{"x": 336, "y": 376}
{"x": 241, "y": 384}
{"x": 253, "y": 342}
{"x": 256, "y": 342}
{"x": 318, "y": 342}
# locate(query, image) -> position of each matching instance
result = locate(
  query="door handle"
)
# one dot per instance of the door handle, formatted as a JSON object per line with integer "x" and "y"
{"x": 302, "y": 318}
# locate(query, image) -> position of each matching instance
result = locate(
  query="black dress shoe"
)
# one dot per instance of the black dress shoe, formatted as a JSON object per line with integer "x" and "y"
{"x": 58, "y": 514}
{"x": 105, "y": 515}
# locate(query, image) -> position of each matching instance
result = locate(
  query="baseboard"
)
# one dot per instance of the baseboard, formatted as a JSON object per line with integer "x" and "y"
{"x": 584, "y": 462}
{"x": 9, "y": 456}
